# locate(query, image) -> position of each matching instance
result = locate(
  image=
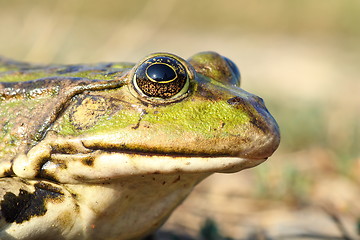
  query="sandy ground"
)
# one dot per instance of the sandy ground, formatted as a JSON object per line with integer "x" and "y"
{"x": 225, "y": 199}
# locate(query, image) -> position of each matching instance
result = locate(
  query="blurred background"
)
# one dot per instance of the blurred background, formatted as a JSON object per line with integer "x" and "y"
{"x": 301, "y": 56}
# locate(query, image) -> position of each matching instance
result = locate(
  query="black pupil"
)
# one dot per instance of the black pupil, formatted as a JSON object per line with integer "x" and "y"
{"x": 161, "y": 72}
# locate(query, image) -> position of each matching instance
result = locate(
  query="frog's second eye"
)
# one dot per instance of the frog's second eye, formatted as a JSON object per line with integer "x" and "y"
{"x": 161, "y": 77}
{"x": 235, "y": 71}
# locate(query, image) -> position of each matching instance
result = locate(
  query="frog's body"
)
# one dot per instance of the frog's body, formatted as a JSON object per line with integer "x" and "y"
{"x": 107, "y": 151}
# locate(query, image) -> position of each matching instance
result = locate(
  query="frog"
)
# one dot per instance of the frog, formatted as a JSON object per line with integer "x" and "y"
{"x": 109, "y": 150}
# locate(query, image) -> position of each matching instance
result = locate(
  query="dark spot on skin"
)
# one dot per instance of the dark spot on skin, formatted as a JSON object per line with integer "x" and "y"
{"x": 139, "y": 121}
{"x": 12, "y": 206}
{"x": 137, "y": 124}
{"x": 22, "y": 207}
{"x": 73, "y": 195}
{"x": 8, "y": 173}
{"x": 88, "y": 161}
{"x": 176, "y": 179}
{"x": 80, "y": 178}
{"x": 164, "y": 182}
{"x": 106, "y": 183}
{"x": 24, "y": 181}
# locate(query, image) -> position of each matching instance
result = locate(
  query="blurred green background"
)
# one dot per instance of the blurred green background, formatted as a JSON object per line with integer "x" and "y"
{"x": 301, "y": 56}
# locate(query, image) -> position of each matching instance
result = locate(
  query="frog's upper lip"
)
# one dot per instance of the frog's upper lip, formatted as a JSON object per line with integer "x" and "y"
{"x": 261, "y": 152}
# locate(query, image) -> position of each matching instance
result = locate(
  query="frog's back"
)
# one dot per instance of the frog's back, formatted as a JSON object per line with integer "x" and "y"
{"x": 16, "y": 71}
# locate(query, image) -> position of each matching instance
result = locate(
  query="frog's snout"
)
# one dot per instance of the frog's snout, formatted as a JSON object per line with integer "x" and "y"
{"x": 263, "y": 135}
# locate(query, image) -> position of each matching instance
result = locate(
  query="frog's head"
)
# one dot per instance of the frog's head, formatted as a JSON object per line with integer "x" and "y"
{"x": 197, "y": 108}
{"x": 169, "y": 116}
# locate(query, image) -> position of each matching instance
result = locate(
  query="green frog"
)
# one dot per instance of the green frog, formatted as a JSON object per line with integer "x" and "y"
{"x": 109, "y": 150}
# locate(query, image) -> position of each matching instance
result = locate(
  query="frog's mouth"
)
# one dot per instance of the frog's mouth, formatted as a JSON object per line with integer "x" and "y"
{"x": 92, "y": 159}
{"x": 101, "y": 165}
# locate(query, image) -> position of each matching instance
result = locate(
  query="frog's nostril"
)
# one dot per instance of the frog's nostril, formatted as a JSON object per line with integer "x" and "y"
{"x": 235, "y": 101}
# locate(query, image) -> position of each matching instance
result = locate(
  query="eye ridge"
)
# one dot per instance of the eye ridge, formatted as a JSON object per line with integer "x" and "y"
{"x": 165, "y": 76}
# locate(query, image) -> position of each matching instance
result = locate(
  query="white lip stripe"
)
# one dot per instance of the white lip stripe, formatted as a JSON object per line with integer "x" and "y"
{"x": 117, "y": 165}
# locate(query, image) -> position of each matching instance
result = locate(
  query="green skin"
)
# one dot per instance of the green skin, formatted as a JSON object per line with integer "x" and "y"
{"x": 85, "y": 155}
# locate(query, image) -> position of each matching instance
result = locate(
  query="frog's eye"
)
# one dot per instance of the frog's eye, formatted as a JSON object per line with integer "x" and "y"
{"x": 161, "y": 77}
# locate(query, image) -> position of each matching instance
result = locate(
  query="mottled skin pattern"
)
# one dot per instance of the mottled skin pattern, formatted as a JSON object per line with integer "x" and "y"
{"x": 87, "y": 154}
{"x": 39, "y": 101}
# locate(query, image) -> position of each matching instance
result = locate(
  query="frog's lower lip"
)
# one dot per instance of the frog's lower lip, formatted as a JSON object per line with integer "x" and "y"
{"x": 100, "y": 165}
